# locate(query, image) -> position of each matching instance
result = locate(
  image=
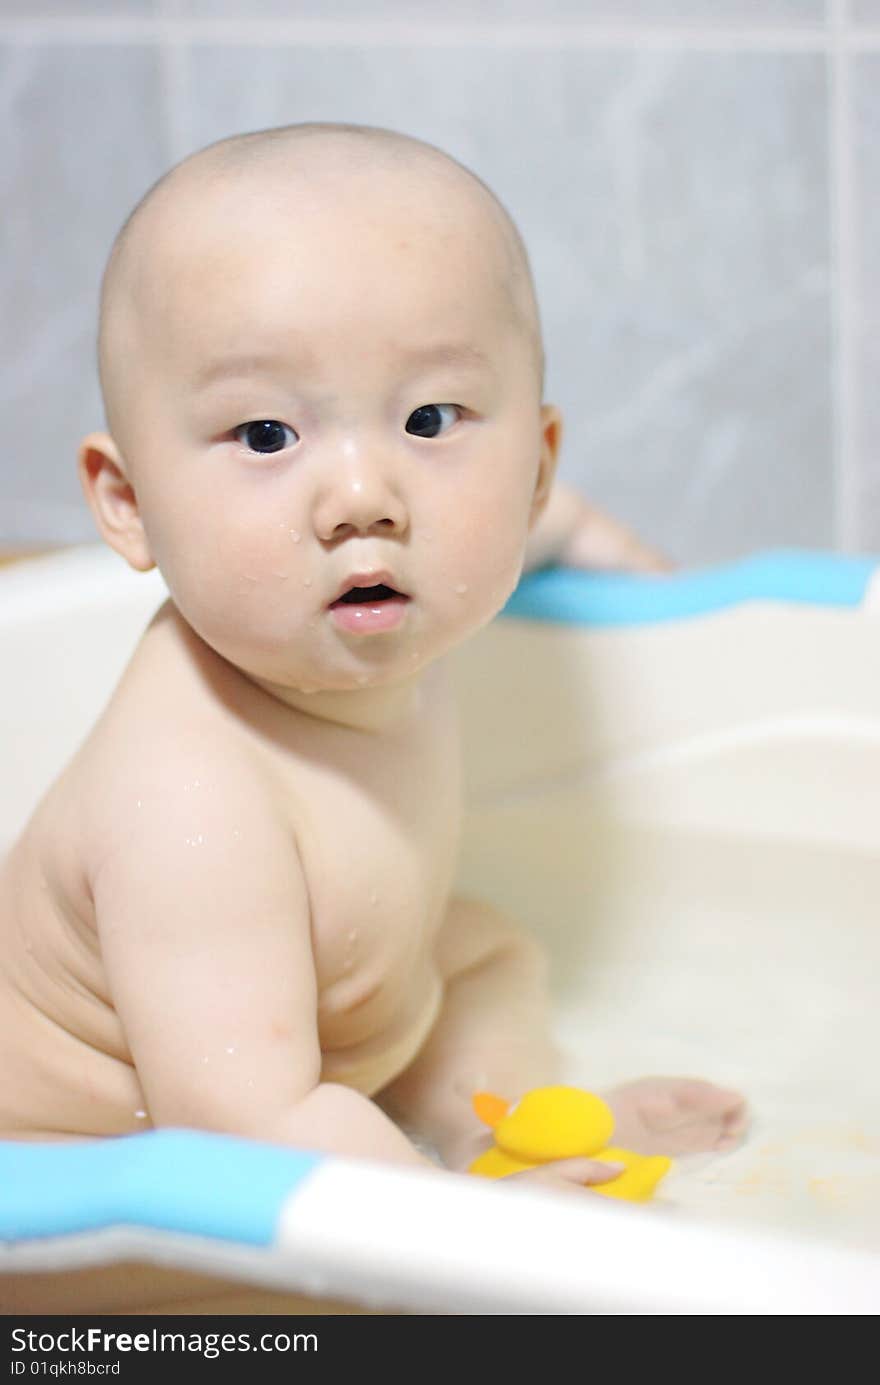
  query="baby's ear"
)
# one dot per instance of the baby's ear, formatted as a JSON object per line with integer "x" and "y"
{"x": 551, "y": 437}
{"x": 112, "y": 500}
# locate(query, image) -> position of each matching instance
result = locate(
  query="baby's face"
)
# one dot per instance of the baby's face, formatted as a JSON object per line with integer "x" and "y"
{"x": 330, "y": 401}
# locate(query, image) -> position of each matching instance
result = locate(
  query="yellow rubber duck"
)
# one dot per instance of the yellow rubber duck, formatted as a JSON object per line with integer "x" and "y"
{"x": 562, "y": 1123}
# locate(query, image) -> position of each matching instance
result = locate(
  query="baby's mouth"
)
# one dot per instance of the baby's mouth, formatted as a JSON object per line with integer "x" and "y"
{"x": 369, "y": 587}
{"x": 368, "y": 605}
{"x": 368, "y": 596}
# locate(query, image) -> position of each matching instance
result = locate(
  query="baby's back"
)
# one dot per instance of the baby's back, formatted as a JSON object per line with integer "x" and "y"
{"x": 131, "y": 964}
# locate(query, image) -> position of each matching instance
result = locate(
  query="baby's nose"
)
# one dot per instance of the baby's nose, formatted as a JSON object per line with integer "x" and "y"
{"x": 359, "y": 496}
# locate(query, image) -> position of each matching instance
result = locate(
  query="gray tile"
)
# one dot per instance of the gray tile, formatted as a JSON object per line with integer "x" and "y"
{"x": 760, "y": 12}
{"x": 866, "y": 72}
{"x": 702, "y": 407}
{"x": 865, "y": 11}
{"x": 676, "y": 212}
{"x": 76, "y": 9}
{"x": 79, "y": 146}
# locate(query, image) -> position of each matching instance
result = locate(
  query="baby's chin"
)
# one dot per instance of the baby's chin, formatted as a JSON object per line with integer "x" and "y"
{"x": 281, "y": 682}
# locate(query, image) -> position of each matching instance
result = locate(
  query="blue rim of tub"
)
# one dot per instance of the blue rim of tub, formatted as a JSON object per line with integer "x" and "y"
{"x": 179, "y": 1181}
{"x": 566, "y": 596}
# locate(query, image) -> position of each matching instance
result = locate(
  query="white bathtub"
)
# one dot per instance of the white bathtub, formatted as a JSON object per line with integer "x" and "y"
{"x": 682, "y": 798}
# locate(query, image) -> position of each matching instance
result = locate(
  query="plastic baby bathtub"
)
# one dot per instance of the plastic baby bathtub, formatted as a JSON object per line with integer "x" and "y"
{"x": 676, "y": 785}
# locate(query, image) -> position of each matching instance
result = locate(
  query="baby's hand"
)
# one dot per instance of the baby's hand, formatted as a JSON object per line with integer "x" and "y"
{"x": 598, "y": 541}
{"x": 565, "y": 1175}
{"x": 571, "y": 532}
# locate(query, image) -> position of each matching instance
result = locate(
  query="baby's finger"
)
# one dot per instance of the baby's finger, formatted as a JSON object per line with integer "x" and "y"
{"x": 580, "y": 1171}
{"x": 584, "y": 1170}
{"x": 604, "y": 544}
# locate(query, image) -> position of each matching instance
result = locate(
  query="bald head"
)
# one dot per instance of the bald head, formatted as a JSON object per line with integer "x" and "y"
{"x": 314, "y": 157}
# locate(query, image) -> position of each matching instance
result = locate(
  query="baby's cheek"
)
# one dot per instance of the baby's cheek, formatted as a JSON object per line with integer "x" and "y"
{"x": 228, "y": 585}
{"x": 486, "y": 568}
{"x": 267, "y": 597}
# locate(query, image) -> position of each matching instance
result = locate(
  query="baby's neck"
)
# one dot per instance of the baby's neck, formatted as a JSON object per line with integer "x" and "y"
{"x": 379, "y": 710}
{"x": 373, "y": 710}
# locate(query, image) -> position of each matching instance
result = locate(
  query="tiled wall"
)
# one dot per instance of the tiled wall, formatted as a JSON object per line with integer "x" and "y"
{"x": 698, "y": 182}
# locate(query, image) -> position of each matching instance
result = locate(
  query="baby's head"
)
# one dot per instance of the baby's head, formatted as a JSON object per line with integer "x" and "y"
{"x": 320, "y": 356}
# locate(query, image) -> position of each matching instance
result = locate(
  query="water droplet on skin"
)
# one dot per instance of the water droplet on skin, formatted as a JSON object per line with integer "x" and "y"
{"x": 362, "y": 679}
{"x": 295, "y": 536}
{"x": 141, "y": 1115}
{"x": 426, "y": 536}
{"x": 282, "y": 576}
{"x": 348, "y": 958}
{"x": 461, "y": 589}
{"x": 307, "y": 582}
{"x": 230, "y": 1050}
{"x": 205, "y": 1060}
{"x": 247, "y": 577}
{"x": 374, "y": 898}
{"x": 235, "y": 832}
{"x": 139, "y": 803}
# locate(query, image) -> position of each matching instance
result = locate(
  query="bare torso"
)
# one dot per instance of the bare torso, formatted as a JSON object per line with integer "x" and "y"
{"x": 375, "y": 818}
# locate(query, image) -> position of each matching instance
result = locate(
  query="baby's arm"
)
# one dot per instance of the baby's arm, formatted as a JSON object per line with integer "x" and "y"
{"x": 203, "y": 919}
{"x": 493, "y": 1032}
{"x": 574, "y": 533}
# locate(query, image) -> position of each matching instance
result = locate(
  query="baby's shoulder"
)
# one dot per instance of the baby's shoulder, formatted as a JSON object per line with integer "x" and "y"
{"x": 169, "y": 751}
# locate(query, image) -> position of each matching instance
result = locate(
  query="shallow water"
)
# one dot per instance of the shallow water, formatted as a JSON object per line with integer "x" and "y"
{"x": 753, "y": 963}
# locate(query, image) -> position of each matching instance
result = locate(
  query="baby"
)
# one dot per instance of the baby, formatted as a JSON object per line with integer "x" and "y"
{"x": 321, "y": 362}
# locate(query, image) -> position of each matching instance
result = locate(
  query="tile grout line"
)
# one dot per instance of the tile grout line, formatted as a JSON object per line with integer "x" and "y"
{"x": 170, "y": 24}
{"x": 173, "y": 58}
{"x": 844, "y": 250}
{"x": 378, "y": 34}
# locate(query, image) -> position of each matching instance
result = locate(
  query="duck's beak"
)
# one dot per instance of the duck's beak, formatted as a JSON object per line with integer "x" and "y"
{"x": 490, "y": 1109}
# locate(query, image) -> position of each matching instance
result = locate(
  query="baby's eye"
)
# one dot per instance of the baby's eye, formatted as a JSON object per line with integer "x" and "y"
{"x": 427, "y": 420}
{"x": 265, "y": 435}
